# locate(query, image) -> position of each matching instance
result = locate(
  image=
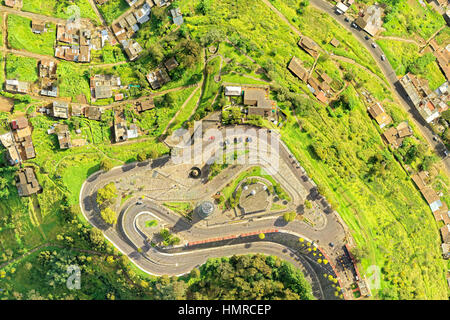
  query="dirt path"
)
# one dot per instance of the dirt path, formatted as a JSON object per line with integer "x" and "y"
{"x": 35, "y": 16}
{"x": 431, "y": 38}
{"x": 181, "y": 108}
{"x": 282, "y": 17}
{"x": 296, "y": 31}
{"x": 345, "y": 59}
{"x": 398, "y": 39}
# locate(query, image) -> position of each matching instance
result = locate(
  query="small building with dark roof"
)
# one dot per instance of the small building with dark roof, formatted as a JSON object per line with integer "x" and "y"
{"x": 171, "y": 64}
{"x": 93, "y": 113}
{"x": 26, "y": 182}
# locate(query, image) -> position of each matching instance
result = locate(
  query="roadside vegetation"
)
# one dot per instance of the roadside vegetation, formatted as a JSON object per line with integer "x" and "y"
{"x": 184, "y": 209}
{"x": 404, "y": 57}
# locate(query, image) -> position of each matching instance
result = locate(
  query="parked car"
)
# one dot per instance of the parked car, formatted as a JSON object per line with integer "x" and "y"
{"x": 139, "y": 202}
{"x": 374, "y": 45}
{"x": 346, "y": 19}
{"x": 366, "y": 37}
{"x": 383, "y": 57}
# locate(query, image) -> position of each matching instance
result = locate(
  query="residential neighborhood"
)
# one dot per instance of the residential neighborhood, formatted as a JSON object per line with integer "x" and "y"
{"x": 224, "y": 150}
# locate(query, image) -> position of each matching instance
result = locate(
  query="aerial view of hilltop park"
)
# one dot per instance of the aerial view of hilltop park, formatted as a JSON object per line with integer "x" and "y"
{"x": 224, "y": 150}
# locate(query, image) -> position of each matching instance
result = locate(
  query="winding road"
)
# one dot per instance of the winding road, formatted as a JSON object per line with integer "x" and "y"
{"x": 131, "y": 241}
{"x": 438, "y": 146}
{"x": 324, "y": 6}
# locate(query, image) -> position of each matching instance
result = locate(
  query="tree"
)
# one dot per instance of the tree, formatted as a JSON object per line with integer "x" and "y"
{"x": 96, "y": 237}
{"x": 157, "y": 52}
{"x": 308, "y": 204}
{"x": 358, "y": 253}
{"x": 289, "y": 216}
{"x": 195, "y": 273}
{"x": 142, "y": 156}
{"x": 159, "y": 13}
{"x": 106, "y": 194}
{"x": 74, "y": 210}
{"x": 153, "y": 154}
{"x": 4, "y": 191}
{"x": 446, "y": 115}
{"x": 106, "y": 164}
{"x": 348, "y": 76}
{"x": 109, "y": 216}
{"x": 211, "y": 36}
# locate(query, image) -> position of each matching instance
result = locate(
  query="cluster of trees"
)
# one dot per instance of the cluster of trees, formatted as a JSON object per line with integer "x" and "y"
{"x": 300, "y": 103}
{"x": 248, "y": 277}
{"x": 166, "y": 101}
{"x": 142, "y": 156}
{"x": 415, "y": 152}
{"x": 445, "y": 117}
{"x": 289, "y": 216}
{"x": 6, "y": 179}
{"x": 231, "y": 115}
{"x": 303, "y": 4}
{"x": 168, "y": 238}
{"x": 106, "y": 197}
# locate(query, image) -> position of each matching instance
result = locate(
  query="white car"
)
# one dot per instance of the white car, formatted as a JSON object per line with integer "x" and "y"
{"x": 374, "y": 45}
{"x": 383, "y": 57}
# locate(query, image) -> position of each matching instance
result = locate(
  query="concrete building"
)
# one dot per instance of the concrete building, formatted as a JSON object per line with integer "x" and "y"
{"x": 16, "y": 86}
{"x": 381, "y": 117}
{"x": 60, "y": 110}
{"x": 233, "y": 91}
{"x": 370, "y": 20}
{"x": 428, "y": 103}
{"x": 63, "y": 134}
{"x": 177, "y": 16}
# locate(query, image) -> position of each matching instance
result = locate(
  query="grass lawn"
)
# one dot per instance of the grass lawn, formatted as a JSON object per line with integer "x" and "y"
{"x": 184, "y": 209}
{"x": 61, "y": 8}
{"x": 184, "y": 115}
{"x": 211, "y": 88}
{"x": 73, "y": 81}
{"x": 21, "y": 68}
{"x": 151, "y": 223}
{"x": 252, "y": 172}
{"x": 20, "y": 36}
